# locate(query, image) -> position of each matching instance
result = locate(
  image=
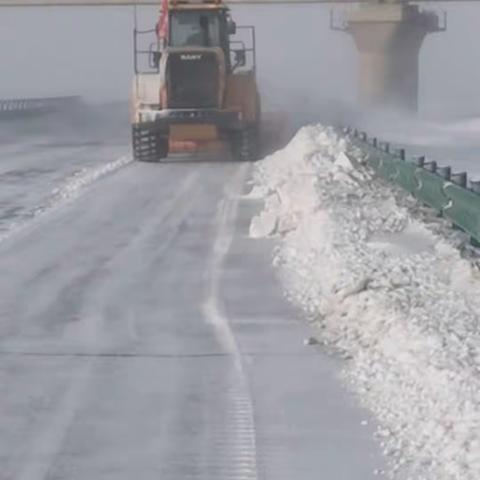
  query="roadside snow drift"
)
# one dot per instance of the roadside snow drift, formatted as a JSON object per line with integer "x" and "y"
{"x": 386, "y": 286}
{"x": 69, "y": 190}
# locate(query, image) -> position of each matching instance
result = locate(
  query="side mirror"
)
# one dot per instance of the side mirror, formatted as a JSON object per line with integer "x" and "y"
{"x": 240, "y": 58}
{"x": 232, "y": 27}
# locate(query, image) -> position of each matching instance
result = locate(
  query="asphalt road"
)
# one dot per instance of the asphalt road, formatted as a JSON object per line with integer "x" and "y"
{"x": 144, "y": 336}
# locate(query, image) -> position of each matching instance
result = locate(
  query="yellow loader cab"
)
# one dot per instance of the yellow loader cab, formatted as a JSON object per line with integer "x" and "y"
{"x": 195, "y": 89}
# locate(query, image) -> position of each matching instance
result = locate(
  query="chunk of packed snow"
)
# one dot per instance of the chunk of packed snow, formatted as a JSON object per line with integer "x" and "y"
{"x": 389, "y": 292}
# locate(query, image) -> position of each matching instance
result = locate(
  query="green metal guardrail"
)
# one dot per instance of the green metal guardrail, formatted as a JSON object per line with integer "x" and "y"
{"x": 449, "y": 194}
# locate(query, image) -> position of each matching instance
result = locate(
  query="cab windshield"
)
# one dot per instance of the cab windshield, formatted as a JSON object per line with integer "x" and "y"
{"x": 194, "y": 29}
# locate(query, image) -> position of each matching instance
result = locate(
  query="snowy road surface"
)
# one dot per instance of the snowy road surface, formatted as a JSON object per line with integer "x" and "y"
{"x": 44, "y": 158}
{"x": 143, "y": 335}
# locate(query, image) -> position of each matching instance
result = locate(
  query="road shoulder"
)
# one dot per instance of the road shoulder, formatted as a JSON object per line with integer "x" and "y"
{"x": 306, "y": 421}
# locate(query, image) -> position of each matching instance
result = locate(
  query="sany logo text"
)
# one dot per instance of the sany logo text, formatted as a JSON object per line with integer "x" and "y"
{"x": 190, "y": 56}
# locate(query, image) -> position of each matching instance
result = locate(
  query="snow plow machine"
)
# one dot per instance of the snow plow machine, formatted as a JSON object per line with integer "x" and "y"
{"x": 195, "y": 87}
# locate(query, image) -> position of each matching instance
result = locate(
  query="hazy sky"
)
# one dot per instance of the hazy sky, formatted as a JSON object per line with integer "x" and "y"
{"x": 55, "y": 51}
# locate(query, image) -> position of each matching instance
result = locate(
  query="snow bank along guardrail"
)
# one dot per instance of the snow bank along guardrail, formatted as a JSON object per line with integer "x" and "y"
{"x": 450, "y": 194}
{"x": 21, "y": 106}
{"x": 389, "y": 288}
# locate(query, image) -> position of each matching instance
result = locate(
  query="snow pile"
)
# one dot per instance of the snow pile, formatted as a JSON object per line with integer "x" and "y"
{"x": 70, "y": 189}
{"x": 391, "y": 294}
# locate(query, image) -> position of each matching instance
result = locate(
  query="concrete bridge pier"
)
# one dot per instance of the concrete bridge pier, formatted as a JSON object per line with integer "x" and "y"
{"x": 388, "y": 37}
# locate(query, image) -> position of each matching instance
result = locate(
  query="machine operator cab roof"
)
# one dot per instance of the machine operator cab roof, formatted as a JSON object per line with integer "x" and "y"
{"x": 199, "y": 24}
{"x": 193, "y": 25}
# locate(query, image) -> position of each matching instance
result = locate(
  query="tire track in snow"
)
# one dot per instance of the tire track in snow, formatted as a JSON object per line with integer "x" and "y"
{"x": 240, "y": 450}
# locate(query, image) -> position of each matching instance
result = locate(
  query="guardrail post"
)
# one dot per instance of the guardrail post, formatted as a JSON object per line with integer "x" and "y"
{"x": 400, "y": 152}
{"x": 385, "y": 146}
{"x": 444, "y": 172}
{"x": 430, "y": 166}
{"x": 475, "y": 186}
{"x": 459, "y": 178}
{"x": 419, "y": 161}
